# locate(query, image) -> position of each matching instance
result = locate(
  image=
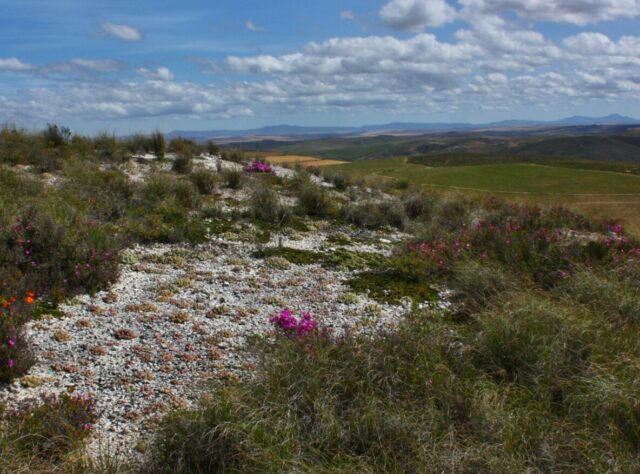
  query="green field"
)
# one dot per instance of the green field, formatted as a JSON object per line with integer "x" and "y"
{"x": 595, "y": 192}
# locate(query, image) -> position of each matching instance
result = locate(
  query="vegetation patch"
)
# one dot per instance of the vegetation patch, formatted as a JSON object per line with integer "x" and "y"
{"x": 295, "y": 256}
{"x": 347, "y": 260}
{"x": 392, "y": 287}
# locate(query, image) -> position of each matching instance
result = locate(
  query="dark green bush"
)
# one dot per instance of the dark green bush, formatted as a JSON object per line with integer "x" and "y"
{"x": 315, "y": 201}
{"x": 532, "y": 342}
{"x": 158, "y": 145}
{"x": 212, "y": 148}
{"x": 419, "y": 206}
{"x": 233, "y": 179}
{"x": 107, "y": 149}
{"x": 265, "y": 206}
{"x": 206, "y": 181}
{"x": 16, "y": 309}
{"x": 375, "y": 214}
{"x": 182, "y": 164}
{"x": 53, "y": 428}
{"x": 59, "y": 261}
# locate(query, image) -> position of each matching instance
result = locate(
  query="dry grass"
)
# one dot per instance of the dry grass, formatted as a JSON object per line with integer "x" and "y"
{"x": 302, "y": 160}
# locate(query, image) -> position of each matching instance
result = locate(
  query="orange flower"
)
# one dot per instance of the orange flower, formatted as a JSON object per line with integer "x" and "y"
{"x": 30, "y": 298}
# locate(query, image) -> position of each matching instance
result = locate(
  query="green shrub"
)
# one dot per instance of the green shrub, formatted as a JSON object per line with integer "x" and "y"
{"x": 375, "y": 214}
{"x": 315, "y": 201}
{"x": 107, "y": 149}
{"x": 453, "y": 213}
{"x": 16, "y": 309}
{"x": 184, "y": 146}
{"x": 206, "y": 181}
{"x": 265, "y": 206}
{"x": 162, "y": 211}
{"x": 475, "y": 284}
{"x": 419, "y": 206}
{"x": 532, "y": 342}
{"x": 104, "y": 195}
{"x": 615, "y": 294}
{"x": 20, "y": 147}
{"x": 59, "y": 261}
{"x": 158, "y": 145}
{"x": 53, "y": 428}
{"x": 182, "y": 164}
{"x": 233, "y": 179}
{"x": 212, "y": 148}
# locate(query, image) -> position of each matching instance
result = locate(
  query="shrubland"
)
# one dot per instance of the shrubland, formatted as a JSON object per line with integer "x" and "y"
{"x": 531, "y": 366}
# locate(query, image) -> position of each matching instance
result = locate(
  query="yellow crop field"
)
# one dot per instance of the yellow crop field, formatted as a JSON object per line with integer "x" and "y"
{"x": 299, "y": 160}
{"x": 289, "y": 159}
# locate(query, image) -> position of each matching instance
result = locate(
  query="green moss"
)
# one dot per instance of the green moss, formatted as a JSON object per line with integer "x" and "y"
{"x": 41, "y": 308}
{"x": 296, "y": 256}
{"x": 220, "y": 226}
{"x": 391, "y": 287}
{"x": 298, "y": 224}
{"x": 342, "y": 259}
{"x": 339, "y": 239}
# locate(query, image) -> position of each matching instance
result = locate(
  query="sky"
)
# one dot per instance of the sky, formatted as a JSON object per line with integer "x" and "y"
{"x": 136, "y": 66}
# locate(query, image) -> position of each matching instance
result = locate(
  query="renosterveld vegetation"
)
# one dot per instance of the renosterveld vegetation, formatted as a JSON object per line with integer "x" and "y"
{"x": 518, "y": 352}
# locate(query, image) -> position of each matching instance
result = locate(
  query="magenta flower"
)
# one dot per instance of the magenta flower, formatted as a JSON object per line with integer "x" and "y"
{"x": 290, "y": 325}
{"x": 11, "y": 342}
{"x": 10, "y": 363}
{"x": 258, "y": 167}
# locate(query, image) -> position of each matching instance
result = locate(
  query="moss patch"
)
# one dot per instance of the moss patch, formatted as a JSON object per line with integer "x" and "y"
{"x": 392, "y": 287}
{"x": 342, "y": 259}
{"x": 297, "y": 256}
{"x": 221, "y": 226}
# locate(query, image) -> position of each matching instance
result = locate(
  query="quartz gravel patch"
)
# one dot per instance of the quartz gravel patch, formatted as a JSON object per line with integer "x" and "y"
{"x": 178, "y": 317}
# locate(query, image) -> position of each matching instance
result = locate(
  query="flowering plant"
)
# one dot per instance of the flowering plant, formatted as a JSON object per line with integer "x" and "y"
{"x": 258, "y": 167}
{"x": 292, "y": 326}
{"x": 15, "y": 356}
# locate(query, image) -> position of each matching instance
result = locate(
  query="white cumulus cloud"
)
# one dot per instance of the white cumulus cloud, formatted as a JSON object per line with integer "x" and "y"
{"x": 160, "y": 74}
{"x": 347, "y": 15}
{"x": 121, "y": 31}
{"x": 416, "y": 15}
{"x": 579, "y": 12}
{"x": 15, "y": 65}
{"x": 249, "y": 25}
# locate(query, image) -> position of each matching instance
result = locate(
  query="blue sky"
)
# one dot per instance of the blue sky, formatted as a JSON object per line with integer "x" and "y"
{"x": 127, "y": 66}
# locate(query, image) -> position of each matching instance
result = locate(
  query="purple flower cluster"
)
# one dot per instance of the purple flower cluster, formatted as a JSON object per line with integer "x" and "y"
{"x": 258, "y": 167}
{"x": 292, "y": 326}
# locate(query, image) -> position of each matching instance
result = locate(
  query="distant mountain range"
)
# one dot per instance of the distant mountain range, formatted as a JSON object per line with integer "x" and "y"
{"x": 293, "y": 131}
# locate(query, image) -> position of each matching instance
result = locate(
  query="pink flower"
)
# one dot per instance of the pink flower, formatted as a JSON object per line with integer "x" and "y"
{"x": 290, "y": 325}
{"x": 11, "y": 342}
{"x": 10, "y": 363}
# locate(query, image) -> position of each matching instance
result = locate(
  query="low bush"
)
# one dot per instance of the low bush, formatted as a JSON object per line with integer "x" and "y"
{"x": 107, "y": 149}
{"x": 53, "y": 428}
{"x": 315, "y": 201}
{"x": 265, "y": 206}
{"x": 511, "y": 391}
{"x": 16, "y": 309}
{"x": 206, "y": 181}
{"x": 532, "y": 341}
{"x": 375, "y": 214}
{"x": 182, "y": 164}
{"x": 56, "y": 260}
{"x": 420, "y": 206}
{"x": 615, "y": 294}
{"x": 233, "y": 179}
{"x": 475, "y": 284}
{"x": 163, "y": 212}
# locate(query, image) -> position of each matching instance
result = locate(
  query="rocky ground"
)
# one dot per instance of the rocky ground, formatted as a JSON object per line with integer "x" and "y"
{"x": 181, "y": 316}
